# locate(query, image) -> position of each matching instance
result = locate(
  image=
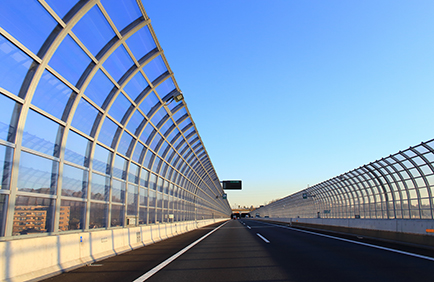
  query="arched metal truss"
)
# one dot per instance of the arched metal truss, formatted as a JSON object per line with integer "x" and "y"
{"x": 400, "y": 186}
{"x": 89, "y": 135}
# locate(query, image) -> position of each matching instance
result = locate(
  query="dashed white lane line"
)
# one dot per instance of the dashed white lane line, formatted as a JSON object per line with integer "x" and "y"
{"x": 249, "y": 227}
{"x": 172, "y": 258}
{"x": 263, "y": 238}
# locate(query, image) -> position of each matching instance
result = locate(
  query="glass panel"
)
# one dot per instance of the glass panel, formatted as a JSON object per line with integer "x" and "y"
{"x": 69, "y": 60}
{"x": 135, "y": 121}
{"x": 150, "y": 101}
{"x": 119, "y": 107}
{"x": 84, "y": 117}
{"x": 118, "y": 63}
{"x": 100, "y": 187}
{"x": 141, "y": 42}
{"x": 133, "y": 173}
{"x": 99, "y": 88}
{"x": 93, "y": 30}
{"x": 125, "y": 143}
{"x": 143, "y": 197}
{"x": 3, "y": 209}
{"x": 135, "y": 86}
{"x": 8, "y": 124}
{"x": 98, "y": 215}
{"x": 156, "y": 140}
{"x": 155, "y": 68}
{"x": 6, "y": 155}
{"x": 165, "y": 88}
{"x": 102, "y": 159}
{"x": 152, "y": 198}
{"x": 117, "y": 216}
{"x": 72, "y": 215}
{"x": 118, "y": 191}
{"x": 61, "y": 7}
{"x": 144, "y": 176}
{"x": 33, "y": 215}
{"x": 31, "y": 24}
{"x": 148, "y": 159}
{"x": 181, "y": 112}
{"x": 36, "y": 174}
{"x": 74, "y": 183}
{"x": 14, "y": 65}
{"x": 166, "y": 126}
{"x": 146, "y": 133}
{"x": 123, "y": 12}
{"x": 153, "y": 181}
{"x": 138, "y": 152}
{"x": 132, "y": 199}
{"x": 120, "y": 167}
{"x": 159, "y": 116}
{"x": 52, "y": 95}
{"x": 77, "y": 149}
{"x": 151, "y": 212}
{"x": 143, "y": 214}
{"x": 107, "y": 133}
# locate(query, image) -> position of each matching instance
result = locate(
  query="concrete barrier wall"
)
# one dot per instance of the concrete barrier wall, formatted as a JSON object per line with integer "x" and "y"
{"x": 24, "y": 259}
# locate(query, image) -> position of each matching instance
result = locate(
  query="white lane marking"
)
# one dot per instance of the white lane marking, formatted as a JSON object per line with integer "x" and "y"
{"x": 262, "y": 237}
{"x": 356, "y": 242}
{"x": 172, "y": 258}
{"x": 249, "y": 227}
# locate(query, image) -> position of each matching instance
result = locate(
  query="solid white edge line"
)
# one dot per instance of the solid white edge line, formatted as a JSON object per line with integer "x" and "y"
{"x": 175, "y": 256}
{"x": 356, "y": 242}
{"x": 262, "y": 237}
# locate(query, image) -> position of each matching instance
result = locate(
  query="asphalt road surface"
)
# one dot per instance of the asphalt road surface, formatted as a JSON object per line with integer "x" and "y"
{"x": 248, "y": 250}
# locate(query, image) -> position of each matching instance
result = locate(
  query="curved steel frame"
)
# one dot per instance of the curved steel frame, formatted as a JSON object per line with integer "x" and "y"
{"x": 400, "y": 186}
{"x": 186, "y": 184}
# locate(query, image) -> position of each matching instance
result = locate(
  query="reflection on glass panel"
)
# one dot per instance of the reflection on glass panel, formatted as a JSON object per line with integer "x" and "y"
{"x": 69, "y": 60}
{"x": 155, "y": 142}
{"x": 84, "y": 117}
{"x": 150, "y": 101}
{"x": 151, "y": 212}
{"x": 152, "y": 181}
{"x": 98, "y": 215}
{"x": 135, "y": 86}
{"x": 77, "y": 149}
{"x": 3, "y": 205}
{"x": 8, "y": 124}
{"x": 99, "y": 88}
{"x": 100, "y": 187}
{"x": 166, "y": 127}
{"x": 72, "y": 215}
{"x": 141, "y": 42}
{"x": 102, "y": 159}
{"x": 172, "y": 136}
{"x": 143, "y": 197}
{"x": 37, "y": 174}
{"x": 93, "y": 30}
{"x": 156, "y": 165}
{"x": 143, "y": 214}
{"x": 144, "y": 176}
{"x": 118, "y": 191}
{"x": 33, "y": 215}
{"x": 152, "y": 198}
{"x": 125, "y": 143}
{"x": 117, "y": 216}
{"x": 52, "y": 95}
{"x": 74, "y": 182}
{"x": 107, "y": 133}
{"x": 133, "y": 173}
{"x": 146, "y": 133}
{"x": 14, "y": 65}
{"x": 122, "y": 13}
{"x": 181, "y": 112}
{"x": 118, "y": 63}
{"x": 138, "y": 152}
{"x": 6, "y": 155}
{"x": 155, "y": 68}
{"x": 61, "y": 7}
{"x": 119, "y": 107}
{"x": 148, "y": 159}
{"x": 184, "y": 125}
{"x": 159, "y": 200}
{"x": 158, "y": 116}
{"x": 133, "y": 194}
{"x": 159, "y": 215}
{"x": 162, "y": 148}
{"x": 165, "y": 88}
{"x": 120, "y": 167}
{"x": 135, "y": 121}
{"x": 34, "y": 25}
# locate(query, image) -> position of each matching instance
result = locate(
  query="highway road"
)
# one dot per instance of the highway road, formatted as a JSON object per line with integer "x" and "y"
{"x": 249, "y": 250}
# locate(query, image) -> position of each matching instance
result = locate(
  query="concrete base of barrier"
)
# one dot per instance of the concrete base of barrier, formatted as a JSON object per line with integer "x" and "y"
{"x": 407, "y": 231}
{"x": 27, "y": 259}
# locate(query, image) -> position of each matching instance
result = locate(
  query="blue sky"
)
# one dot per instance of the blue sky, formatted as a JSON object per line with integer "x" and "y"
{"x": 288, "y": 93}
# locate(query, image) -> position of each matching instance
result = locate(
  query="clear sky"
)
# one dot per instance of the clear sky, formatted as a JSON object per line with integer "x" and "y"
{"x": 290, "y": 93}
